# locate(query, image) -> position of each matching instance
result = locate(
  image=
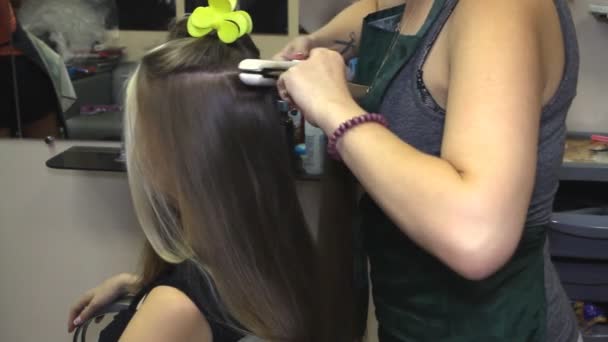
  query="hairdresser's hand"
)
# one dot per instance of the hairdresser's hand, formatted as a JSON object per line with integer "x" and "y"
{"x": 318, "y": 87}
{"x": 98, "y": 297}
{"x": 299, "y": 48}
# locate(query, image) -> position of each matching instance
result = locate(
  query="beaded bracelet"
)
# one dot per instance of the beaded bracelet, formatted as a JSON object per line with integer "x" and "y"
{"x": 332, "y": 142}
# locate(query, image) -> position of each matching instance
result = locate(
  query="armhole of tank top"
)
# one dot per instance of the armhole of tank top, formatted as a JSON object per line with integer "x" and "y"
{"x": 564, "y": 19}
{"x": 423, "y": 93}
{"x": 141, "y": 302}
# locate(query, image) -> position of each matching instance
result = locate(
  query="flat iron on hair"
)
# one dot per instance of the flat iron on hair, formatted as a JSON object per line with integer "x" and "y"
{"x": 263, "y": 73}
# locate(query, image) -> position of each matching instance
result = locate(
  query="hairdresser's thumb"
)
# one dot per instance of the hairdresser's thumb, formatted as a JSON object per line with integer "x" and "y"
{"x": 297, "y": 49}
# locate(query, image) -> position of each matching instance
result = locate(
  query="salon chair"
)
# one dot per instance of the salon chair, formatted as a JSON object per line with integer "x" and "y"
{"x": 117, "y": 306}
{"x": 113, "y": 308}
{"x": 104, "y": 88}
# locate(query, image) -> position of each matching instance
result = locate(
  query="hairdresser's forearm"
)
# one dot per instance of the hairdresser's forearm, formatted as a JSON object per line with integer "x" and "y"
{"x": 345, "y": 25}
{"x": 428, "y": 199}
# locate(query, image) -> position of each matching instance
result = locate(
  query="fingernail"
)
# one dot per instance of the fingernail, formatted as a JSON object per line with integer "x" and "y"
{"x": 298, "y": 55}
{"x": 78, "y": 321}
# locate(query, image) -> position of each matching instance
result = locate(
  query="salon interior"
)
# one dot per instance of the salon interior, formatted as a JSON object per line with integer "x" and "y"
{"x": 66, "y": 217}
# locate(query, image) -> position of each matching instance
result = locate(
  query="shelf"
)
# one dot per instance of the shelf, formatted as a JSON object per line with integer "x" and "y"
{"x": 89, "y": 158}
{"x": 599, "y": 11}
{"x": 582, "y": 164}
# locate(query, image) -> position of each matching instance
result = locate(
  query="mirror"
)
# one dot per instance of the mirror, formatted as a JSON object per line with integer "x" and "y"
{"x": 316, "y": 13}
{"x": 64, "y": 63}
{"x": 153, "y": 16}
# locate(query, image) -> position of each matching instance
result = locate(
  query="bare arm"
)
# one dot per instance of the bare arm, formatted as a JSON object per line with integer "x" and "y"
{"x": 345, "y": 28}
{"x": 467, "y": 206}
{"x": 341, "y": 34}
{"x": 167, "y": 315}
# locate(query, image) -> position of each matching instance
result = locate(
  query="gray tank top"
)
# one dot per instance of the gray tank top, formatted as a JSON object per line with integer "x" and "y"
{"x": 416, "y": 118}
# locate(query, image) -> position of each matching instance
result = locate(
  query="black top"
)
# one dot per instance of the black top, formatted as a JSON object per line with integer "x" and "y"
{"x": 186, "y": 278}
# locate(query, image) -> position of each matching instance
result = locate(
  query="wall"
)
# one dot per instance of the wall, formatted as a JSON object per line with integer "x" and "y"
{"x": 316, "y": 13}
{"x": 590, "y": 109}
{"x": 61, "y": 232}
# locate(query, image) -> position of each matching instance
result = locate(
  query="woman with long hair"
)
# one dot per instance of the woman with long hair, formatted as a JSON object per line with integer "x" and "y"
{"x": 228, "y": 251}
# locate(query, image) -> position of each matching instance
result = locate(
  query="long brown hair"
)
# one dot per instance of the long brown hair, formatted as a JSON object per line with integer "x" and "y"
{"x": 338, "y": 202}
{"x": 211, "y": 183}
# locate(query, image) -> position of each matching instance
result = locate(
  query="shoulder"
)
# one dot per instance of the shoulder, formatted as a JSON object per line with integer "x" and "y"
{"x": 172, "y": 301}
{"x": 497, "y": 14}
{"x": 513, "y": 32}
{"x": 497, "y": 6}
{"x": 167, "y": 314}
{"x": 498, "y": 30}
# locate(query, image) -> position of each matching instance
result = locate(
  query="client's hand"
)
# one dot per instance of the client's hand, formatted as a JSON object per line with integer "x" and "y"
{"x": 98, "y": 297}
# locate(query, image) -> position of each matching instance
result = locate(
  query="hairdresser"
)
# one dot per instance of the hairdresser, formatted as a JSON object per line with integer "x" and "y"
{"x": 460, "y": 162}
{"x": 34, "y": 83}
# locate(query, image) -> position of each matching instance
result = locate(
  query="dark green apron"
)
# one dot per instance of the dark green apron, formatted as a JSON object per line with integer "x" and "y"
{"x": 417, "y": 297}
{"x": 384, "y": 51}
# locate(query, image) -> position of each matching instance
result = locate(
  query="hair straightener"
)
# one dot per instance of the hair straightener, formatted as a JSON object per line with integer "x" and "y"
{"x": 265, "y": 73}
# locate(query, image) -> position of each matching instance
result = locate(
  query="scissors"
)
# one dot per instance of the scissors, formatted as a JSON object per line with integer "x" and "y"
{"x": 265, "y": 73}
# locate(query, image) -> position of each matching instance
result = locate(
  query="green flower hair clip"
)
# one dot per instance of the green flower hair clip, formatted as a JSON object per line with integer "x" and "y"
{"x": 220, "y": 16}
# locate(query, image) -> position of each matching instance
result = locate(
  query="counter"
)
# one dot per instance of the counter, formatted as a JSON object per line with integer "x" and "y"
{"x": 582, "y": 164}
